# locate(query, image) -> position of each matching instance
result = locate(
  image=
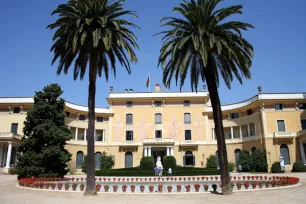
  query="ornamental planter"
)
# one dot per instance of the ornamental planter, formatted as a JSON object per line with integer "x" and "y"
{"x": 133, "y": 188}
{"x": 178, "y": 188}
{"x": 196, "y": 187}
{"x": 151, "y": 188}
{"x": 124, "y": 188}
{"x": 187, "y": 188}
{"x": 169, "y": 189}
{"x": 98, "y": 187}
{"x": 142, "y": 188}
{"x": 260, "y": 185}
{"x": 67, "y": 186}
{"x": 115, "y": 188}
{"x": 273, "y": 183}
{"x": 47, "y": 185}
{"x": 254, "y": 185}
{"x": 53, "y": 185}
{"x": 59, "y": 186}
{"x": 74, "y": 186}
{"x": 160, "y": 188}
{"x": 82, "y": 187}
{"x": 106, "y": 187}
{"x": 246, "y": 185}
{"x": 41, "y": 185}
{"x": 267, "y": 185}
{"x": 238, "y": 186}
{"x": 206, "y": 187}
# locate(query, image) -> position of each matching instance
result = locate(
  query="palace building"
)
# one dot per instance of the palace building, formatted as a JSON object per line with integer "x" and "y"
{"x": 180, "y": 124}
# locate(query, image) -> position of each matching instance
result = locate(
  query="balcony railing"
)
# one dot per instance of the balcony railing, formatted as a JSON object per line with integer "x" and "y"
{"x": 284, "y": 134}
{"x": 158, "y": 140}
{"x": 9, "y": 135}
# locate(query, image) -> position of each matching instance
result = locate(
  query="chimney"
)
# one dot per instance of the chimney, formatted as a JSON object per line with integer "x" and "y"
{"x": 259, "y": 89}
{"x": 125, "y": 90}
{"x": 131, "y": 90}
{"x": 111, "y": 89}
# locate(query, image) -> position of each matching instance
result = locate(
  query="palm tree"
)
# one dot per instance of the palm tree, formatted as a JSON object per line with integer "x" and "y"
{"x": 204, "y": 44}
{"x": 93, "y": 32}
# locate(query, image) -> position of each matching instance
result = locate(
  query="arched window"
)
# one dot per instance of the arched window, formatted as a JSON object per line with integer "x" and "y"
{"x": 217, "y": 160}
{"x": 189, "y": 159}
{"x": 129, "y": 119}
{"x": 237, "y": 154}
{"x": 98, "y": 156}
{"x": 128, "y": 160}
{"x": 253, "y": 150}
{"x": 284, "y": 151}
{"x": 158, "y": 118}
{"x": 187, "y": 118}
{"x": 79, "y": 160}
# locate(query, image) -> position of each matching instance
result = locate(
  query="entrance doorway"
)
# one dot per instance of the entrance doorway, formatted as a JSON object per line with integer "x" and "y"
{"x": 158, "y": 152}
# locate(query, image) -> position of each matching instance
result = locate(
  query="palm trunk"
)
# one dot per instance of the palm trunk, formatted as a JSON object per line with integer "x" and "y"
{"x": 219, "y": 131}
{"x": 91, "y": 183}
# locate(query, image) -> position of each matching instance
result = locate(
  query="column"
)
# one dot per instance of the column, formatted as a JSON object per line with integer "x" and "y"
{"x": 168, "y": 151}
{"x": 85, "y": 134}
{"x": 149, "y": 152}
{"x": 240, "y": 131}
{"x": 213, "y": 134}
{"x": 103, "y": 135}
{"x": 76, "y": 133}
{"x": 1, "y": 154}
{"x": 145, "y": 152}
{"x": 303, "y": 156}
{"x": 255, "y": 129}
{"x": 232, "y": 133}
{"x": 8, "y": 155}
{"x": 171, "y": 151}
{"x": 249, "y": 133}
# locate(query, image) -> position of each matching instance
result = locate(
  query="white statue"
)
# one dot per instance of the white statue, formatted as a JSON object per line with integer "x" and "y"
{"x": 158, "y": 163}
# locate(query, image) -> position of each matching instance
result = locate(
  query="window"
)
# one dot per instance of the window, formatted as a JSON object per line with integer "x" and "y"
{"x": 253, "y": 150}
{"x": 281, "y": 126}
{"x": 67, "y": 114}
{"x": 14, "y": 128}
{"x": 100, "y": 119}
{"x": 187, "y": 134}
{"x": 302, "y": 106}
{"x": 189, "y": 159}
{"x": 99, "y": 136}
{"x": 186, "y": 103}
{"x": 303, "y": 124}
{"x": 187, "y": 118}
{"x": 249, "y": 111}
{"x": 82, "y": 117}
{"x": 16, "y": 110}
{"x": 158, "y": 134}
{"x": 158, "y": 103}
{"x": 129, "y": 119}
{"x": 237, "y": 155}
{"x": 158, "y": 118}
{"x": 128, "y": 160}
{"x": 79, "y": 160}
{"x": 129, "y": 104}
{"x": 98, "y": 156}
{"x": 279, "y": 106}
{"x": 129, "y": 136}
{"x": 235, "y": 115}
{"x": 284, "y": 151}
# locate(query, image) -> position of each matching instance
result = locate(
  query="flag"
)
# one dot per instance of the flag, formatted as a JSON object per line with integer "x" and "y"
{"x": 148, "y": 81}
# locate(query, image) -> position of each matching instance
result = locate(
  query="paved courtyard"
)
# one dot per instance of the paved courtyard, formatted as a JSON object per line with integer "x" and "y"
{"x": 9, "y": 194}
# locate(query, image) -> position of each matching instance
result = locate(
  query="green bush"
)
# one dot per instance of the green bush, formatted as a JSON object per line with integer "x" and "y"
{"x": 147, "y": 163}
{"x": 276, "y": 168}
{"x": 107, "y": 161}
{"x": 245, "y": 160}
{"x": 231, "y": 166}
{"x": 259, "y": 161}
{"x": 211, "y": 162}
{"x": 169, "y": 162}
{"x": 298, "y": 166}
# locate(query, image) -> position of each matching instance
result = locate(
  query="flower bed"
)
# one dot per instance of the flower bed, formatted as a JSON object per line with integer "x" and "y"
{"x": 158, "y": 185}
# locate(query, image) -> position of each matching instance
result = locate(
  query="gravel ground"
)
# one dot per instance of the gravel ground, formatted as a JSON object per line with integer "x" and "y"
{"x": 10, "y": 194}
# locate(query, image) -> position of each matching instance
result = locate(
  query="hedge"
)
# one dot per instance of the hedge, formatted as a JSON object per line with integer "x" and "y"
{"x": 169, "y": 162}
{"x": 299, "y": 166}
{"x": 139, "y": 172}
{"x": 147, "y": 163}
{"x": 276, "y": 168}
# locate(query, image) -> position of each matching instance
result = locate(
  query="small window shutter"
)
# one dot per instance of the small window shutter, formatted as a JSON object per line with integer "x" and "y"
{"x": 184, "y": 159}
{"x": 193, "y": 160}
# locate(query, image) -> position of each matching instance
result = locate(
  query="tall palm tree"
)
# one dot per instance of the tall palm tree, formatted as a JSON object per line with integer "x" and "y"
{"x": 93, "y": 32}
{"x": 204, "y": 44}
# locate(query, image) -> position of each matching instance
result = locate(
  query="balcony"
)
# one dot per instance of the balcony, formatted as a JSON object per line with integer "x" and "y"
{"x": 188, "y": 143}
{"x": 9, "y": 135}
{"x": 158, "y": 141}
{"x": 129, "y": 144}
{"x": 284, "y": 135}
{"x": 301, "y": 132}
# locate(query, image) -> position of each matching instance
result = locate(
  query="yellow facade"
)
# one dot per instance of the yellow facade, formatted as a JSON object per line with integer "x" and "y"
{"x": 179, "y": 124}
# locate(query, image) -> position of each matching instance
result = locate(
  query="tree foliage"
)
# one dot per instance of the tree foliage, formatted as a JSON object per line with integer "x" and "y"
{"x": 45, "y": 135}
{"x": 245, "y": 160}
{"x": 259, "y": 161}
{"x": 107, "y": 161}
{"x": 211, "y": 162}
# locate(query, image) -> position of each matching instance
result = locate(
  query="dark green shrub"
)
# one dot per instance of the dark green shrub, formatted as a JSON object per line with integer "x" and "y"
{"x": 276, "y": 168}
{"x": 298, "y": 166}
{"x": 211, "y": 162}
{"x": 245, "y": 160}
{"x": 107, "y": 161}
{"x": 147, "y": 163}
{"x": 169, "y": 162}
{"x": 259, "y": 161}
{"x": 231, "y": 166}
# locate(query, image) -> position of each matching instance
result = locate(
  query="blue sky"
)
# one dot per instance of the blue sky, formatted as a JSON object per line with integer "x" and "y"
{"x": 279, "y": 39}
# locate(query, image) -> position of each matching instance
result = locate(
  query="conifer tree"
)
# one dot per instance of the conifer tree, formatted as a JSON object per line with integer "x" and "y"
{"x": 42, "y": 146}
